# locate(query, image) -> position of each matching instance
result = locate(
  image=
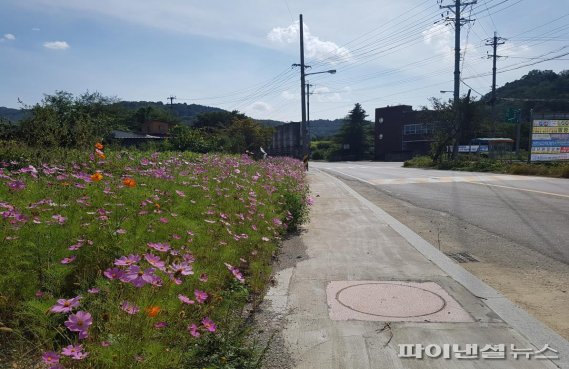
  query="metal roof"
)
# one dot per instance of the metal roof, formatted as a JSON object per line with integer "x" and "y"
{"x": 131, "y": 135}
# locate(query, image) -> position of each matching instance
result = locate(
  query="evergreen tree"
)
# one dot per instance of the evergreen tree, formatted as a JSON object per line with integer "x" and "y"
{"x": 355, "y": 137}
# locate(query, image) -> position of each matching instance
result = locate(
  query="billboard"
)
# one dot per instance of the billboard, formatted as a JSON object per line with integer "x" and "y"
{"x": 550, "y": 140}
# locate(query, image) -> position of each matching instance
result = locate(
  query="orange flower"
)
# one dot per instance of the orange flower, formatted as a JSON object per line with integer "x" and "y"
{"x": 152, "y": 311}
{"x": 96, "y": 177}
{"x": 101, "y": 156}
{"x": 129, "y": 182}
{"x": 99, "y": 146}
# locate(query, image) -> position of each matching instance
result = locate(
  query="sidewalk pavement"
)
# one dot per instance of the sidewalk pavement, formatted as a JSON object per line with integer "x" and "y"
{"x": 373, "y": 294}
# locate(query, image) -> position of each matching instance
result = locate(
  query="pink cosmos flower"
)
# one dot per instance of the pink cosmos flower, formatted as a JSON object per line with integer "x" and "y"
{"x": 75, "y": 247}
{"x": 59, "y": 218}
{"x": 79, "y": 322}
{"x": 209, "y": 324}
{"x": 93, "y": 290}
{"x": 65, "y": 306}
{"x": 193, "y": 329}
{"x": 113, "y": 273}
{"x": 155, "y": 261}
{"x": 201, "y": 296}
{"x": 75, "y": 352}
{"x": 277, "y": 222}
{"x": 137, "y": 277}
{"x": 105, "y": 343}
{"x": 39, "y": 294}
{"x": 185, "y": 299}
{"x": 120, "y": 231}
{"x": 182, "y": 268}
{"x": 180, "y": 193}
{"x": 16, "y": 185}
{"x": 127, "y": 260}
{"x": 163, "y": 220}
{"x": 236, "y": 273}
{"x": 71, "y": 350}
{"x": 129, "y": 308}
{"x": 162, "y": 247}
{"x": 160, "y": 325}
{"x": 50, "y": 358}
{"x": 203, "y": 277}
{"x": 68, "y": 260}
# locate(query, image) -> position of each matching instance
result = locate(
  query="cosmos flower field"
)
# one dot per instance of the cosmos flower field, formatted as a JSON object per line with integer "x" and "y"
{"x": 127, "y": 259}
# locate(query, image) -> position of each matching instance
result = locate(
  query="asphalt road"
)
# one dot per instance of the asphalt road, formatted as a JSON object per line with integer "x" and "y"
{"x": 530, "y": 211}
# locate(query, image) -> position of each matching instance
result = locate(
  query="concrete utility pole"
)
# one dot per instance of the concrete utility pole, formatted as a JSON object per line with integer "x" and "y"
{"x": 308, "y": 85}
{"x": 458, "y": 21}
{"x": 303, "y": 128}
{"x": 494, "y": 42}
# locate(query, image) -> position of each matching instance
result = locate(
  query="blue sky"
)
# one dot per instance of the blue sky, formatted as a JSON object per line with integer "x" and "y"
{"x": 238, "y": 55}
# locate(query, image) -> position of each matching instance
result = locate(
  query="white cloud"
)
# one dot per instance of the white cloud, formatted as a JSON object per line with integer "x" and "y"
{"x": 440, "y": 38}
{"x": 9, "y": 37}
{"x": 287, "y": 95}
{"x": 314, "y": 47}
{"x": 260, "y": 106}
{"x": 56, "y": 45}
{"x": 325, "y": 95}
{"x": 35, "y": 29}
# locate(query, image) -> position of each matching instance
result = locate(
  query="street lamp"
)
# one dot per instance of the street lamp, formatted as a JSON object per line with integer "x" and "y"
{"x": 331, "y": 71}
{"x": 306, "y": 130}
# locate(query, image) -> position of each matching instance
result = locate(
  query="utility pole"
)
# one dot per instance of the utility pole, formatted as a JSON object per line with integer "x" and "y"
{"x": 303, "y": 128}
{"x": 308, "y": 85}
{"x": 171, "y": 98}
{"x": 494, "y": 42}
{"x": 458, "y": 21}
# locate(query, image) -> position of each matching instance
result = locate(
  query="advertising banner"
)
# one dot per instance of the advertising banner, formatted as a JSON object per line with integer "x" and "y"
{"x": 550, "y": 140}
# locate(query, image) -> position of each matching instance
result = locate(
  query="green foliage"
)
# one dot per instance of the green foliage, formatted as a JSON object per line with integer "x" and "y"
{"x": 357, "y": 134}
{"x": 184, "y": 138}
{"x": 419, "y": 162}
{"x": 323, "y": 150}
{"x": 483, "y": 164}
{"x": 62, "y": 120}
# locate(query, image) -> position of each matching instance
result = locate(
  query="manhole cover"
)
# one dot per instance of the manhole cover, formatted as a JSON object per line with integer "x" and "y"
{"x": 390, "y": 300}
{"x": 397, "y": 301}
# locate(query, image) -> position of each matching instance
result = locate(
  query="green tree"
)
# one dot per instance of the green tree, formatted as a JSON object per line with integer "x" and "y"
{"x": 246, "y": 134}
{"x": 355, "y": 136}
{"x": 185, "y": 138}
{"x": 61, "y": 120}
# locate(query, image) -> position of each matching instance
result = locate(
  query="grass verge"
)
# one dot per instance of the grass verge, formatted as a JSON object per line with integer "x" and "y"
{"x": 476, "y": 164}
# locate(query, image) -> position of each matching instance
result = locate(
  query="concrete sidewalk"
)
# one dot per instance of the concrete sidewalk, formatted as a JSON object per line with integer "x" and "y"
{"x": 373, "y": 294}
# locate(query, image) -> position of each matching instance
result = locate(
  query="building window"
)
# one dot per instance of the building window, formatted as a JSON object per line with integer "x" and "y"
{"x": 418, "y": 129}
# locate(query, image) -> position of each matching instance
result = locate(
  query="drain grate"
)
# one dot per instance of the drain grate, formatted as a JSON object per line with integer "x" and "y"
{"x": 462, "y": 257}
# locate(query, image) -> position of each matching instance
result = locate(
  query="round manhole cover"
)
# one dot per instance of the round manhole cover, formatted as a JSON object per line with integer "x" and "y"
{"x": 390, "y": 300}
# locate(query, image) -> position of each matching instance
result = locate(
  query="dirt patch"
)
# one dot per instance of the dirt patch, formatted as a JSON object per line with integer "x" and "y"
{"x": 267, "y": 324}
{"x": 537, "y": 283}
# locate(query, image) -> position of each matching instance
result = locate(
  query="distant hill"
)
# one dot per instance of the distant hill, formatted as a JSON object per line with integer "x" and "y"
{"x": 542, "y": 91}
{"x": 13, "y": 115}
{"x": 185, "y": 112}
{"x": 324, "y": 128}
{"x": 320, "y": 128}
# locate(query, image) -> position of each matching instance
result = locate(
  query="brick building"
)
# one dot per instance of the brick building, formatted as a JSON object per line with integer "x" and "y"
{"x": 401, "y": 133}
